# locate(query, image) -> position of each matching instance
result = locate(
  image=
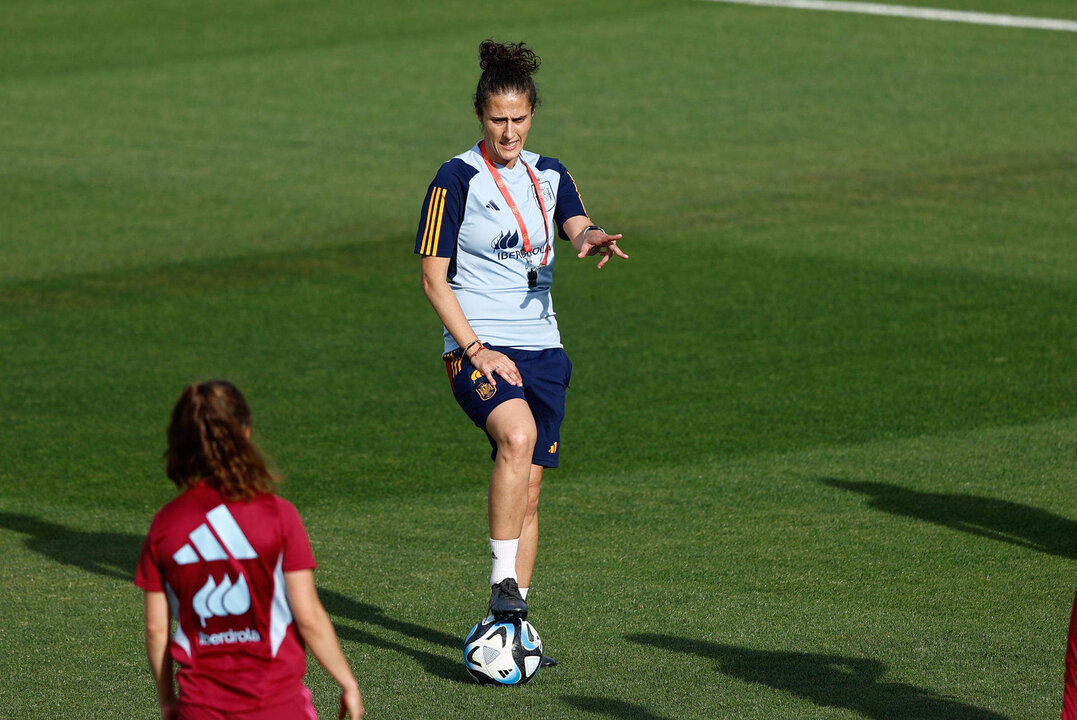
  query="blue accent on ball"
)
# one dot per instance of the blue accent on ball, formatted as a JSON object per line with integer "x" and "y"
{"x": 527, "y": 642}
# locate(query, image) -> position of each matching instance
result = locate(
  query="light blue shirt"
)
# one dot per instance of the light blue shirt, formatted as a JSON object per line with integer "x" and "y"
{"x": 465, "y": 218}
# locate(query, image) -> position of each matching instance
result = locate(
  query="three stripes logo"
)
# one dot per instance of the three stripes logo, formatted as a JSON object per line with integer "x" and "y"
{"x": 206, "y": 545}
{"x": 217, "y": 539}
{"x": 432, "y": 230}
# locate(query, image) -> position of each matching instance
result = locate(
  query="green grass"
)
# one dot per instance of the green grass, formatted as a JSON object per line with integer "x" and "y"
{"x": 818, "y": 461}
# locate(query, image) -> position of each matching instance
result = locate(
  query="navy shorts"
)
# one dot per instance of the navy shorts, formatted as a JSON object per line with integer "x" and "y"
{"x": 545, "y": 373}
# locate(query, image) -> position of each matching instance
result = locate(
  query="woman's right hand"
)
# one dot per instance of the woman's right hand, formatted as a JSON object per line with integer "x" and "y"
{"x": 491, "y": 362}
{"x": 351, "y": 703}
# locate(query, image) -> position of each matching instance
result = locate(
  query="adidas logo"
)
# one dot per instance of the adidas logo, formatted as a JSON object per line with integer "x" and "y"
{"x": 204, "y": 544}
{"x": 493, "y": 206}
{"x": 553, "y": 448}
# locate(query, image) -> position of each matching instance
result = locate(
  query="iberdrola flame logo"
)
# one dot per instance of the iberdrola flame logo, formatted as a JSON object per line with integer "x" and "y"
{"x": 222, "y": 599}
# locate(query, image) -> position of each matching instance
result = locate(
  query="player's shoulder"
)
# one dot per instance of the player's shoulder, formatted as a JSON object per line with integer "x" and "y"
{"x": 459, "y": 169}
{"x": 283, "y": 508}
{"x": 543, "y": 163}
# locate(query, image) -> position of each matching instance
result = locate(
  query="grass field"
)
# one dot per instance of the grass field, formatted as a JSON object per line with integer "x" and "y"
{"x": 819, "y": 455}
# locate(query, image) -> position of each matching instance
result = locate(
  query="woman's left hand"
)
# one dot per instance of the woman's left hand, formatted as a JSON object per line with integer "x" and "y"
{"x": 599, "y": 242}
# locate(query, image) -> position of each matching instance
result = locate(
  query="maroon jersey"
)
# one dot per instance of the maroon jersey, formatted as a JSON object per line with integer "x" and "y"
{"x": 221, "y": 564}
{"x": 1069, "y": 688}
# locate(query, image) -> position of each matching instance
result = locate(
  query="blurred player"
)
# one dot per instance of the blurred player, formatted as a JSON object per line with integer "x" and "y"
{"x": 1069, "y": 688}
{"x": 231, "y": 562}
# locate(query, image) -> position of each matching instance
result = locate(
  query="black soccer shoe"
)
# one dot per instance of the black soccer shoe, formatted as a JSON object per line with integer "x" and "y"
{"x": 547, "y": 661}
{"x": 506, "y": 602}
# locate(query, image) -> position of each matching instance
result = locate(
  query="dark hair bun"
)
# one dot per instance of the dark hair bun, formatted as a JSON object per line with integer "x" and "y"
{"x": 508, "y": 57}
{"x": 506, "y": 67}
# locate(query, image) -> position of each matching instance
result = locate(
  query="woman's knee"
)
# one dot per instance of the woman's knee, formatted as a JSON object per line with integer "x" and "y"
{"x": 517, "y": 441}
{"x": 512, "y": 427}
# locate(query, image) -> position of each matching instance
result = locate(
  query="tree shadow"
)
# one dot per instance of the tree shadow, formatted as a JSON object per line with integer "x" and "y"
{"x": 342, "y": 606}
{"x": 439, "y": 665}
{"x": 826, "y": 680}
{"x": 1001, "y": 520}
{"x": 611, "y": 708}
{"x": 115, "y": 555}
{"x": 103, "y": 553}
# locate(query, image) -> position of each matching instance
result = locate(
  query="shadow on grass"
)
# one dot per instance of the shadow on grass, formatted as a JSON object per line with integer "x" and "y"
{"x": 115, "y": 555}
{"x": 1001, "y": 520}
{"x": 826, "y": 680}
{"x": 611, "y": 708}
{"x": 110, "y": 554}
{"x": 342, "y": 606}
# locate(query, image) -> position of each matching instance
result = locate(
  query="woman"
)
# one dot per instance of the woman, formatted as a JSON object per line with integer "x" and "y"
{"x": 232, "y": 563}
{"x": 485, "y": 237}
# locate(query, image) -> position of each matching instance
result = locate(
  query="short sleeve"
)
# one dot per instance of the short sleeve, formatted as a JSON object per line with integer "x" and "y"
{"x": 298, "y": 554}
{"x": 443, "y": 210}
{"x": 569, "y": 202}
{"x": 148, "y": 573}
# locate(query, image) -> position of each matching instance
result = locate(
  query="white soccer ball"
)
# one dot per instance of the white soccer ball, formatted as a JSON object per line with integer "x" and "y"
{"x": 502, "y": 652}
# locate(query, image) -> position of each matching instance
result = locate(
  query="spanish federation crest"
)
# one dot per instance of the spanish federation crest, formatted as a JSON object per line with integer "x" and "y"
{"x": 485, "y": 390}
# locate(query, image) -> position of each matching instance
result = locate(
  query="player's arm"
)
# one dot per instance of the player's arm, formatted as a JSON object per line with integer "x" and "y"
{"x": 316, "y": 629}
{"x": 435, "y": 270}
{"x": 592, "y": 242}
{"x": 436, "y": 287}
{"x": 573, "y": 221}
{"x": 158, "y": 634}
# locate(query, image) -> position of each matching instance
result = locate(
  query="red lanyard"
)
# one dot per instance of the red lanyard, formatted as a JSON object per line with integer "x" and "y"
{"x": 512, "y": 205}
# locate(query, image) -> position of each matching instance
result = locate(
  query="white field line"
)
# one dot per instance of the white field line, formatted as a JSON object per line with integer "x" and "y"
{"x": 920, "y": 13}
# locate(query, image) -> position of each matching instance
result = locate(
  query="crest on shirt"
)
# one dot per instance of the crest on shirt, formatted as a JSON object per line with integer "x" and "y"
{"x": 547, "y": 193}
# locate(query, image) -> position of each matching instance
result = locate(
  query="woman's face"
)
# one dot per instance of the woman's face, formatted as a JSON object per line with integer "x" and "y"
{"x": 506, "y": 120}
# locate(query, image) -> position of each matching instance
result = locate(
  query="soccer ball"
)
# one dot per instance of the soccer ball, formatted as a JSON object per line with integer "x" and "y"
{"x": 502, "y": 652}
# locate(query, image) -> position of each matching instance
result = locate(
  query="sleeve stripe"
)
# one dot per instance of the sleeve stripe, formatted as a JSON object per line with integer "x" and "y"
{"x": 429, "y": 213}
{"x": 426, "y": 226}
{"x": 437, "y": 228}
{"x": 577, "y": 191}
{"x": 433, "y": 222}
